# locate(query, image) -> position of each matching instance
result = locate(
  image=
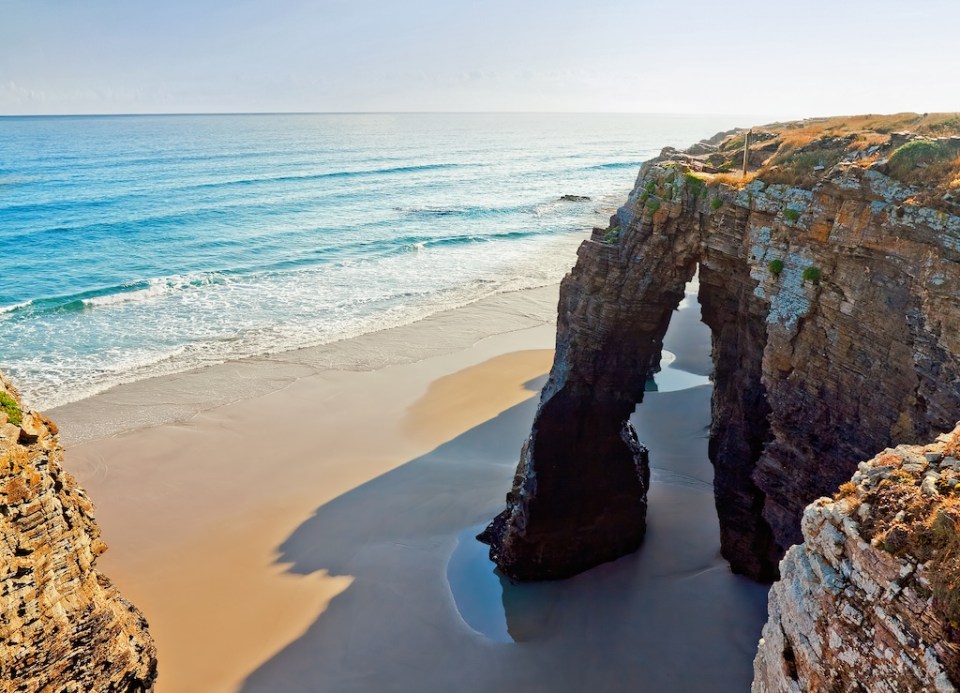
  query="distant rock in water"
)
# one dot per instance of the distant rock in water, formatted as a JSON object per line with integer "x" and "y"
{"x": 64, "y": 626}
{"x": 871, "y": 599}
{"x": 574, "y": 198}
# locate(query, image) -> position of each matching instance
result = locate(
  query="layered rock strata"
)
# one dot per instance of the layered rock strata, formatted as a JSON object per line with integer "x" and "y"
{"x": 63, "y": 625}
{"x": 871, "y": 599}
{"x": 836, "y": 333}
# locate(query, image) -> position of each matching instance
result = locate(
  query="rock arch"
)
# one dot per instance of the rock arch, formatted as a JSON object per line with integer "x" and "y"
{"x": 809, "y": 373}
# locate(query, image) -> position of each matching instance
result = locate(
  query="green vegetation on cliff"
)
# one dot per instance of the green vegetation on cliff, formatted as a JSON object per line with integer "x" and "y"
{"x": 12, "y": 409}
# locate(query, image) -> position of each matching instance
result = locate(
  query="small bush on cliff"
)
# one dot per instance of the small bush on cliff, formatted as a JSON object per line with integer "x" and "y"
{"x": 812, "y": 274}
{"x": 847, "y": 489}
{"x": 9, "y": 405}
{"x": 716, "y": 203}
{"x": 905, "y": 160}
{"x": 696, "y": 185}
{"x": 791, "y": 215}
{"x": 775, "y": 267}
{"x": 933, "y": 165}
{"x": 612, "y": 235}
{"x": 945, "y": 568}
{"x": 801, "y": 168}
{"x": 733, "y": 144}
{"x": 653, "y": 206}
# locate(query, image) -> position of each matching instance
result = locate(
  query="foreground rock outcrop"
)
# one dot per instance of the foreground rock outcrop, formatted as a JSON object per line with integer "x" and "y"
{"x": 829, "y": 277}
{"x": 63, "y": 625}
{"x": 871, "y": 599}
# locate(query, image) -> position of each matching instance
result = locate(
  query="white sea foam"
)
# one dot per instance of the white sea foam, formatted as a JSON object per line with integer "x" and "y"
{"x": 156, "y": 288}
{"x": 181, "y": 251}
{"x": 14, "y": 307}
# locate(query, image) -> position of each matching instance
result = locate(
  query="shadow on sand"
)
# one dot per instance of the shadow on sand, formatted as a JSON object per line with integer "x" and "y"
{"x": 670, "y": 618}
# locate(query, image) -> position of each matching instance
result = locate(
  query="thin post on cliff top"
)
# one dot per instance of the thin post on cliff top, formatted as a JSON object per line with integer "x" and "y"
{"x": 746, "y": 151}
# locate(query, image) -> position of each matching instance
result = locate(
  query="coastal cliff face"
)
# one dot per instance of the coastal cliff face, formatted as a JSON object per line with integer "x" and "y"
{"x": 829, "y": 279}
{"x": 63, "y": 625}
{"x": 871, "y": 599}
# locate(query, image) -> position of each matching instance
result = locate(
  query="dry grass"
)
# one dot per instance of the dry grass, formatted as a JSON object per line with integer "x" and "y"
{"x": 930, "y": 124}
{"x": 798, "y": 153}
{"x": 847, "y": 489}
{"x": 907, "y": 522}
{"x": 945, "y": 571}
{"x": 734, "y": 180}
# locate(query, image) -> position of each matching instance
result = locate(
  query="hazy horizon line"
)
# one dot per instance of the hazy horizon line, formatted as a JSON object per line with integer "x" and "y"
{"x": 425, "y": 112}
{"x": 773, "y": 118}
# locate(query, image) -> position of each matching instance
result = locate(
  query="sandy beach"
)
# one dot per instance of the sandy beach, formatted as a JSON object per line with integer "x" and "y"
{"x": 303, "y": 522}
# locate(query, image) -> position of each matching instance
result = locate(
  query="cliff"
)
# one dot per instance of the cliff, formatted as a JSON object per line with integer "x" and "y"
{"x": 63, "y": 625}
{"x": 871, "y": 599}
{"x": 828, "y": 276}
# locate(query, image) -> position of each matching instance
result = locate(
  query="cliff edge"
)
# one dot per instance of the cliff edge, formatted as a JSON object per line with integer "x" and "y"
{"x": 63, "y": 625}
{"x": 871, "y": 599}
{"x": 829, "y": 277}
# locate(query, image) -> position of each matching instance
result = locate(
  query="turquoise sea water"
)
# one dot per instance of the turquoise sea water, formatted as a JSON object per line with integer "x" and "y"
{"x": 139, "y": 245}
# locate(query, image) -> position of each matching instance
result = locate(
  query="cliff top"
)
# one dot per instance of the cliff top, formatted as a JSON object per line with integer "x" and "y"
{"x": 919, "y": 151}
{"x": 908, "y": 503}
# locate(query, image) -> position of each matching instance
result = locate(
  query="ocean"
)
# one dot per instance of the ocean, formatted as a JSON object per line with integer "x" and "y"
{"x": 134, "y": 246}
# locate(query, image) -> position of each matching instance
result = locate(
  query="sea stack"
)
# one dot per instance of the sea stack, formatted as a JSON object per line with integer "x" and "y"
{"x": 64, "y": 626}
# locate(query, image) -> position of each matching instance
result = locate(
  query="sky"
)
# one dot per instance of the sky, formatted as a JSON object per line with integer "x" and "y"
{"x": 782, "y": 59}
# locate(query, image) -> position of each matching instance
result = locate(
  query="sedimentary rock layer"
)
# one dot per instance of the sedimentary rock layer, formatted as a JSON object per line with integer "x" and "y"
{"x": 871, "y": 599}
{"x": 63, "y": 625}
{"x": 836, "y": 333}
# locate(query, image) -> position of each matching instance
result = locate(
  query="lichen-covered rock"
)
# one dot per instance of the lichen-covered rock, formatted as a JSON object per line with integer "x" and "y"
{"x": 63, "y": 625}
{"x": 836, "y": 333}
{"x": 871, "y": 599}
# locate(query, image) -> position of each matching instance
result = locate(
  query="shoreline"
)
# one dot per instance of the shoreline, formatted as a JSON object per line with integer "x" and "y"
{"x": 177, "y": 397}
{"x": 196, "y": 498}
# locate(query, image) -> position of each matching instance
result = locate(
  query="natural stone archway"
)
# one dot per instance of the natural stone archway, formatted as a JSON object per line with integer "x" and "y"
{"x": 583, "y": 420}
{"x": 563, "y": 517}
{"x": 812, "y": 369}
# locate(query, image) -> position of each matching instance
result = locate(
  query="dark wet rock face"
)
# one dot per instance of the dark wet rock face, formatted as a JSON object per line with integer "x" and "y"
{"x": 836, "y": 333}
{"x": 609, "y": 515}
{"x": 740, "y": 422}
{"x": 579, "y": 496}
